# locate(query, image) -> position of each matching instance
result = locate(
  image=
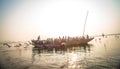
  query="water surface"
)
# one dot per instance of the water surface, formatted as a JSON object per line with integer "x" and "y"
{"x": 101, "y": 53}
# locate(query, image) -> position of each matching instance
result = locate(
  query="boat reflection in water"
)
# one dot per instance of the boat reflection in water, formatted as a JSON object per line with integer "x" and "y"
{"x": 80, "y": 48}
{"x": 72, "y": 57}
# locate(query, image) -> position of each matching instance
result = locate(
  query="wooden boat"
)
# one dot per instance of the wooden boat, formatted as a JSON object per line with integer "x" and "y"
{"x": 62, "y": 42}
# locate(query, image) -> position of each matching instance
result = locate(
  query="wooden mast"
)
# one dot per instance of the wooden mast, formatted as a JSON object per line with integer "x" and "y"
{"x": 85, "y": 23}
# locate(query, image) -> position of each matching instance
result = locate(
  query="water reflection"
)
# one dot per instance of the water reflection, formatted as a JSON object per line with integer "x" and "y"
{"x": 71, "y": 60}
{"x": 68, "y": 58}
{"x": 84, "y": 48}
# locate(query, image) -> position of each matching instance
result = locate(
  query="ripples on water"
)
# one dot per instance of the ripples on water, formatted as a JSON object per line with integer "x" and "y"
{"x": 101, "y": 53}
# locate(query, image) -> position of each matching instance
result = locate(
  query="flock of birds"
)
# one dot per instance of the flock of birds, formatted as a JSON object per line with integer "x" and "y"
{"x": 16, "y": 45}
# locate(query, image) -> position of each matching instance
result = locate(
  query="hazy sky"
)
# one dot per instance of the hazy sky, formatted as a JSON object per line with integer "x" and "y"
{"x": 26, "y": 19}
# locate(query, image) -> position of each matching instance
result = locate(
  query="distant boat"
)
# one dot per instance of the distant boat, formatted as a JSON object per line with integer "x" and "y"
{"x": 62, "y": 42}
{"x": 59, "y": 42}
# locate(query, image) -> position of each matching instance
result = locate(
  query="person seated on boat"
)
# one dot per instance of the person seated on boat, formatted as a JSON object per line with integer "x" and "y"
{"x": 63, "y": 43}
{"x": 82, "y": 37}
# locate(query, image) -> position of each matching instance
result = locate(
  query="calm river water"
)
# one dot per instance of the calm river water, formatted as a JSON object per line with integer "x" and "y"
{"x": 101, "y": 53}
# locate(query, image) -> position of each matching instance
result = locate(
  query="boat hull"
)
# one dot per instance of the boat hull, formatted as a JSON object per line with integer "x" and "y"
{"x": 61, "y": 45}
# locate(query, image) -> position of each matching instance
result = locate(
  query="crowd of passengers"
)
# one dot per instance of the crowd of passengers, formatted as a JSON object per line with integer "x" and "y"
{"x": 59, "y": 40}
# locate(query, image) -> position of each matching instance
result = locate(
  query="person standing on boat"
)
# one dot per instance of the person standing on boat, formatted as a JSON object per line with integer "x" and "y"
{"x": 38, "y": 37}
{"x": 87, "y": 37}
